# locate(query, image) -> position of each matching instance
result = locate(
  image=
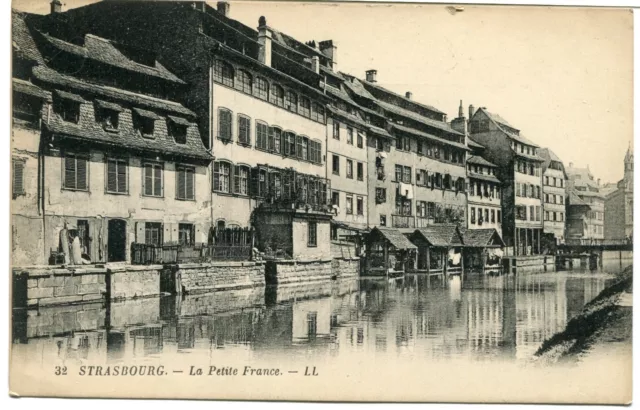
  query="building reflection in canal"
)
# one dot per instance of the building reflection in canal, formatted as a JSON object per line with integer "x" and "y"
{"x": 475, "y": 318}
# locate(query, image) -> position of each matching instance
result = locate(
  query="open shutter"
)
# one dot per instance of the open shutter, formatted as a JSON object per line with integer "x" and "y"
{"x": 236, "y": 179}
{"x": 189, "y": 183}
{"x": 148, "y": 179}
{"x": 18, "y": 177}
{"x": 180, "y": 184}
{"x": 157, "y": 180}
{"x": 255, "y": 182}
{"x": 81, "y": 167}
{"x": 70, "y": 172}
{"x": 122, "y": 177}
{"x": 112, "y": 176}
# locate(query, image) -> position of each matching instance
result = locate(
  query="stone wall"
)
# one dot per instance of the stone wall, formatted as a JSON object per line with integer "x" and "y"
{"x": 134, "y": 281}
{"x": 345, "y": 267}
{"x": 219, "y": 302}
{"x": 282, "y": 272}
{"x": 58, "y": 320}
{"x": 206, "y": 277}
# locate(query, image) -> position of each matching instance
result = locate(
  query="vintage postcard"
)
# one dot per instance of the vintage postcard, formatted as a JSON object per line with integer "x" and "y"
{"x": 321, "y": 201}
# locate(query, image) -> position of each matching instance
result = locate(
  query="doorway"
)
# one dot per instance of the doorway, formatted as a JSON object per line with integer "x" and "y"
{"x": 117, "y": 241}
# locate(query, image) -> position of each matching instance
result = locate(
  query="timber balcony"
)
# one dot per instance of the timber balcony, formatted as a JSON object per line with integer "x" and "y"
{"x": 402, "y": 221}
{"x": 230, "y": 244}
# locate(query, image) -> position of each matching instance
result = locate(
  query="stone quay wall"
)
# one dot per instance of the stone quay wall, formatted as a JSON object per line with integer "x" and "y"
{"x": 134, "y": 281}
{"x": 207, "y": 277}
{"x": 343, "y": 268}
{"x": 296, "y": 271}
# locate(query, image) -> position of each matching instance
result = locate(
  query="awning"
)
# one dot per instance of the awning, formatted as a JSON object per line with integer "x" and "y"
{"x": 179, "y": 120}
{"x": 109, "y": 105}
{"x": 147, "y": 114}
{"x": 395, "y": 238}
{"x": 482, "y": 238}
{"x": 69, "y": 96}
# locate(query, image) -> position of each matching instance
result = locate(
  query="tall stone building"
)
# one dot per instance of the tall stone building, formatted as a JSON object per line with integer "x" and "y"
{"x": 554, "y": 195}
{"x": 583, "y": 184}
{"x": 618, "y": 205}
{"x": 519, "y": 169}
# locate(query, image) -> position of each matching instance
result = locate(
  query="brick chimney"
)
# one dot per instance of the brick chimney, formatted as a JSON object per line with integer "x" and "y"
{"x": 329, "y": 49}
{"x": 315, "y": 64}
{"x": 223, "y": 8}
{"x": 56, "y": 6}
{"x": 264, "y": 41}
{"x": 372, "y": 76}
{"x": 408, "y": 95}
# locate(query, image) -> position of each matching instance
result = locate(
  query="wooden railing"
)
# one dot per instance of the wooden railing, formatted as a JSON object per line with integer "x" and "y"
{"x": 147, "y": 254}
{"x": 423, "y": 222}
{"x": 402, "y": 221}
{"x": 144, "y": 254}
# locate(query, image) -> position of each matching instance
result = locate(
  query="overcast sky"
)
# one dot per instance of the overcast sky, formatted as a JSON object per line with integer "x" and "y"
{"x": 563, "y": 76}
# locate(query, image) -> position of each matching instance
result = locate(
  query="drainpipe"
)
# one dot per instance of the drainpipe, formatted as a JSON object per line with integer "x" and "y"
{"x": 211, "y": 139}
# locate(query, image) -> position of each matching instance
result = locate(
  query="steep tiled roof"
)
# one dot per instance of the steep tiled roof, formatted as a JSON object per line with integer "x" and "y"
{"x": 23, "y": 44}
{"x": 441, "y": 235}
{"x": 497, "y": 118}
{"x": 379, "y": 131}
{"x": 528, "y": 156}
{"x": 574, "y": 199}
{"x": 341, "y": 94}
{"x": 417, "y": 117}
{"x": 478, "y": 160}
{"x": 358, "y": 89}
{"x": 395, "y": 238}
{"x": 387, "y": 91}
{"x": 429, "y": 136}
{"x": 50, "y": 76}
{"x": 27, "y": 87}
{"x": 349, "y": 117}
{"x": 480, "y": 238}
{"x": 108, "y": 52}
{"x": 484, "y": 177}
{"x": 473, "y": 144}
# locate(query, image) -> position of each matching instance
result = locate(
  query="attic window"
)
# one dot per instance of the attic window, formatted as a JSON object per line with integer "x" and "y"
{"x": 144, "y": 122}
{"x": 178, "y": 129}
{"x": 67, "y": 106}
{"x": 26, "y": 109}
{"x": 108, "y": 114}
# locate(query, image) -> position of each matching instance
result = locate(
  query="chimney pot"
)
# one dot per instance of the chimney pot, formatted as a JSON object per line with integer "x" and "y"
{"x": 56, "y": 6}
{"x": 472, "y": 110}
{"x": 223, "y": 8}
{"x": 372, "y": 76}
{"x": 264, "y": 42}
{"x": 408, "y": 94}
{"x": 460, "y": 111}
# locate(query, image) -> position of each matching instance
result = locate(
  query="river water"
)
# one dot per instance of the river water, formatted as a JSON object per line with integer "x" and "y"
{"x": 503, "y": 318}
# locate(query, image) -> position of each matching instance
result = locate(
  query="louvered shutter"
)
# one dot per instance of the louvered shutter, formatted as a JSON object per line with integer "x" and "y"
{"x": 236, "y": 179}
{"x": 255, "y": 182}
{"x": 70, "y": 172}
{"x": 190, "y": 175}
{"x": 122, "y": 176}
{"x": 181, "y": 188}
{"x": 18, "y": 177}
{"x": 216, "y": 176}
{"x": 157, "y": 180}
{"x": 148, "y": 179}
{"x": 81, "y": 169}
{"x": 112, "y": 176}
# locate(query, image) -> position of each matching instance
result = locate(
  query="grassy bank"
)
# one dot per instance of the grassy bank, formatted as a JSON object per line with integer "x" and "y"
{"x": 601, "y": 320}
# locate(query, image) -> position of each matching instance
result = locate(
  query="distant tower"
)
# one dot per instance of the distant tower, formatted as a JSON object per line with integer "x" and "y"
{"x": 628, "y": 167}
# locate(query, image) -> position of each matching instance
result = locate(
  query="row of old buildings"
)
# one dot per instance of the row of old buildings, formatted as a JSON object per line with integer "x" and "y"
{"x": 166, "y": 122}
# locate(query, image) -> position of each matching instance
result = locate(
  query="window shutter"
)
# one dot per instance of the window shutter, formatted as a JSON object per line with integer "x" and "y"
{"x": 70, "y": 172}
{"x": 255, "y": 182}
{"x": 112, "y": 176}
{"x": 148, "y": 179}
{"x": 122, "y": 176}
{"x": 181, "y": 194}
{"x": 236, "y": 179}
{"x": 190, "y": 175}
{"x": 81, "y": 165}
{"x": 157, "y": 180}
{"x": 216, "y": 176}
{"x": 18, "y": 177}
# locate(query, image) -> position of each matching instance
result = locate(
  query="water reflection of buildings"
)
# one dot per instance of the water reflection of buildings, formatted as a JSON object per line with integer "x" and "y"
{"x": 492, "y": 318}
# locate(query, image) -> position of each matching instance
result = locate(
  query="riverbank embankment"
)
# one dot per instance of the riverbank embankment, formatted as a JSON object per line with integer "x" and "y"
{"x": 605, "y": 321}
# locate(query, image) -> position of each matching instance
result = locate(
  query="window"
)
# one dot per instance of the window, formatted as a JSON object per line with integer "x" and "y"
{"x": 186, "y": 234}
{"x": 561, "y": 199}
{"x": 421, "y": 209}
{"x": 262, "y": 137}
{"x": 537, "y": 192}
{"x": 561, "y": 183}
{"x": 152, "y": 179}
{"x": 473, "y": 215}
{"x": 315, "y": 152}
{"x": 75, "y": 172}
{"x": 185, "y": 183}
{"x": 561, "y": 216}
{"x": 108, "y": 118}
{"x": 245, "y": 81}
{"x": 17, "y": 166}
{"x": 383, "y": 220}
{"x": 336, "y": 130}
{"x": 360, "y": 205}
{"x": 291, "y": 101}
{"x": 26, "y": 109}
{"x": 261, "y": 89}
{"x": 69, "y": 110}
{"x": 521, "y": 212}
{"x": 241, "y": 180}
{"x": 406, "y": 175}
{"x": 290, "y": 144}
{"x": 360, "y": 171}
{"x": 225, "y": 120}
{"x": 499, "y": 217}
{"x": 381, "y": 195}
{"x": 177, "y": 131}
{"x": 275, "y": 139}
{"x": 305, "y": 107}
{"x": 555, "y": 216}
{"x": 317, "y": 112}
{"x": 349, "y": 205}
{"x": 523, "y": 187}
{"x": 244, "y": 130}
{"x": 335, "y": 164}
{"x": 546, "y": 180}
{"x": 335, "y": 198}
{"x": 223, "y": 72}
{"x": 403, "y": 206}
{"x": 349, "y": 169}
{"x": 277, "y": 95}
{"x": 312, "y": 239}
{"x": 221, "y": 176}
{"x": 349, "y": 135}
{"x": 153, "y": 233}
{"x": 532, "y": 213}
{"x": 116, "y": 176}
{"x": 546, "y": 215}
{"x": 360, "y": 141}
{"x": 493, "y": 216}
{"x": 398, "y": 173}
{"x": 538, "y": 213}
{"x": 303, "y": 147}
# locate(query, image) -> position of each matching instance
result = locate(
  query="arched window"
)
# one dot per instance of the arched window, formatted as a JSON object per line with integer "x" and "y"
{"x": 245, "y": 81}
{"x": 275, "y": 140}
{"x": 277, "y": 95}
{"x": 291, "y": 101}
{"x": 261, "y": 88}
{"x": 223, "y": 72}
{"x": 289, "y": 142}
{"x": 241, "y": 180}
{"x": 222, "y": 171}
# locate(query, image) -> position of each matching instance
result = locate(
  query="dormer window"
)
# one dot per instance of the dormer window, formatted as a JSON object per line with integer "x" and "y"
{"x": 144, "y": 122}
{"x": 67, "y": 106}
{"x": 177, "y": 127}
{"x": 108, "y": 114}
